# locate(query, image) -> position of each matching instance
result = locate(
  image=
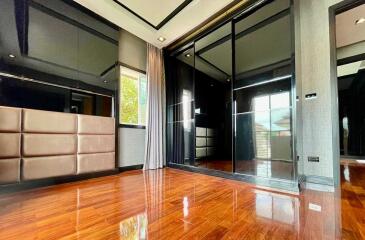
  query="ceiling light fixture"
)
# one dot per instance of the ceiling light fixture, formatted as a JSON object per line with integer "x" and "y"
{"x": 359, "y": 21}
{"x": 11, "y": 55}
{"x": 161, "y": 39}
{"x": 187, "y": 55}
{"x": 105, "y": 81}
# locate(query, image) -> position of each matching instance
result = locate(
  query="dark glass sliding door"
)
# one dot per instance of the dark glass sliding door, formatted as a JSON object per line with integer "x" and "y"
{"x": 180, "y": 109}
{"x": 231, "y": 96}
{"x": 213, "y": 100}
{"x": 263, "y": 96}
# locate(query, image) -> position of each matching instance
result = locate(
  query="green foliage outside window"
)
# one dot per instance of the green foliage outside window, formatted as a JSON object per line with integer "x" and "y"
{"x": 133, "y": 97}
{"x": 129, "y": 100}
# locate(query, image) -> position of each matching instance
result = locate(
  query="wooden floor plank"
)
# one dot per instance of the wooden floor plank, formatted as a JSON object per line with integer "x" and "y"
{"x": 174, "y": 204}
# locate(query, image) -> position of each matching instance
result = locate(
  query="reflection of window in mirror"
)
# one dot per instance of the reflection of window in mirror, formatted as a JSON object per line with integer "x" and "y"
{"x": 345, "y": 124}
{"x": 186, "y": 109}
{"x": 133, "y": 97}
{"x": 272, "y": 125}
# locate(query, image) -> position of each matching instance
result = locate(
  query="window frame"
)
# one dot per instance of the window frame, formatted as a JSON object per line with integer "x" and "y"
{"x": 128, "y": 125}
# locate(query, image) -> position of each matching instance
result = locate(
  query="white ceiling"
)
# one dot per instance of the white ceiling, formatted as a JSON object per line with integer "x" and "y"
{"x": 154, "y": 10}
{"x": 347, "y": 32}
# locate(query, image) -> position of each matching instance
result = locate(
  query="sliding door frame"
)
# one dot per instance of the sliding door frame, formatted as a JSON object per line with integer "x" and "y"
{"x": 289, "y": 11}
{"x": 287, "y": 185}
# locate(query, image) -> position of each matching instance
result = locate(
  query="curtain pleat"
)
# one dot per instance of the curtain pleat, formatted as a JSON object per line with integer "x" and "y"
{"x": 155, "y": 124}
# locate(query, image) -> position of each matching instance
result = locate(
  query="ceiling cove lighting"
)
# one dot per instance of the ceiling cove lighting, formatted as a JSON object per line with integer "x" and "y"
{"x": 11, "y": 55}
{"x": 161, "y": 39}
{"x": 359, "y": 21}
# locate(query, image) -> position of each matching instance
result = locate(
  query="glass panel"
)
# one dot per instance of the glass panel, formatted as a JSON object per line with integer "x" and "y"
{"x": 212, "y": 94}
{"x": 181, "y": 142}
{"x": 55, "y": 43}
{"x": 180, "y": 107}
{"x": 280, "y": 100}
{"x": 252, "y": 144}
{"x": 280, "y": 119}
{"x": 262, "y": 93}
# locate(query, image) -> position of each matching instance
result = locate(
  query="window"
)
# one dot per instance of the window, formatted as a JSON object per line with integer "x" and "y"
{"x": 133, "y": 97}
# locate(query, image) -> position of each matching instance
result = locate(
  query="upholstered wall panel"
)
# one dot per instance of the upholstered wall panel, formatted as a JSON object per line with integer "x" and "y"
{"x": 38, "y": 144}
{"x": 95, "y": 125}
{"x": 95, "y": 162}
{"x": 211, "y": 141}
{"x": 9, "y": 170}
{"x": 96, "y": 143}
{"x": 10, "y": 145}
{"x": 10, "y": 119}
{"x": 200, "y": 152}
{"x": 36, "y": 121}
{"x": 201, "y": 132}
{"x": 210, "y": 151}
{"x": 211, "y": 132}
{"x": 200, "y": 142}
{"x": 50, "y": 166}
{"x": 49, "y": 144}
{"x": 10, "y": 142}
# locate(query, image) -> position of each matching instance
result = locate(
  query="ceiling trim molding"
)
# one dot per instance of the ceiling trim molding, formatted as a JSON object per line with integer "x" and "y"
{"x": 164, "y": 21}
{"x": 229, "y": 11}
{"x": 90, "y": 13}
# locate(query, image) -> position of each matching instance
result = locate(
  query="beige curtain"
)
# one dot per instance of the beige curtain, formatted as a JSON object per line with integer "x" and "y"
{"x": 155, "y": 124}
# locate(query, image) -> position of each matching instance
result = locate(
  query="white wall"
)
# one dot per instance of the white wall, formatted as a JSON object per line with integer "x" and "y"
{"x": 131, "y": 146}
{"x": 133, "y": 52}
{"x": 317, "y": 120}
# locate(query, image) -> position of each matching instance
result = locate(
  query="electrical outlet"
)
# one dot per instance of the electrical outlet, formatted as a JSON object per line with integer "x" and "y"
{"x": 313, "y": 159}
{"x": 310, "y": 96}
{"x": 315, "y": 207}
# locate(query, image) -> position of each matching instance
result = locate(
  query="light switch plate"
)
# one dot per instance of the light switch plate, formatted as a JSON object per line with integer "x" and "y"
{"x": 315, "y": 207}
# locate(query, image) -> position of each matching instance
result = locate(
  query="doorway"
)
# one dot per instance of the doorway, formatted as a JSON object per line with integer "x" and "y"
{"x": 350, "y": 51}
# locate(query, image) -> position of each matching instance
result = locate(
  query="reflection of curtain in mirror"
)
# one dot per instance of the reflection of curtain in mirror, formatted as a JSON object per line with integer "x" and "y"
{"x": 179, "y": 144}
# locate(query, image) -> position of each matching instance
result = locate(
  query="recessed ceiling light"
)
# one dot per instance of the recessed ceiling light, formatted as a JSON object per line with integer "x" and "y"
{"x": 105, "y": 81}
{"x": 187, "y": 55}
{"x": 360, "y": 20}
{"x": 161, "y": 39}
{"x": 228, "y": 80}
{"x": 212, "y": 85}
{"x": 11, "y": 55}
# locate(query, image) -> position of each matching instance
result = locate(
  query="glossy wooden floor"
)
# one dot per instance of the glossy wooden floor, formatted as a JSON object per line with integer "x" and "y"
{"x": 174, "y": 204}
{"x": 353, "y": 198}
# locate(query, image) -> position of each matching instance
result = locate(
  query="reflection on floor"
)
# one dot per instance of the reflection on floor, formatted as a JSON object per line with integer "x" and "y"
{"x": 171, "y": 204}
{"x": 353, "y": 198}
{"x": 266, "y": 168}
{"x": 262, "y": 168}
{"x": 222, "y": 165}
{"x": 353, "y": 162}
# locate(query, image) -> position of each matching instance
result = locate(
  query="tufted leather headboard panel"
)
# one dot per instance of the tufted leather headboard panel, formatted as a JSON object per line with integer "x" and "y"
{"x": 38, "y": 144}
{"x": 96, "y": 144}
{"x": 10, "y": 141}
